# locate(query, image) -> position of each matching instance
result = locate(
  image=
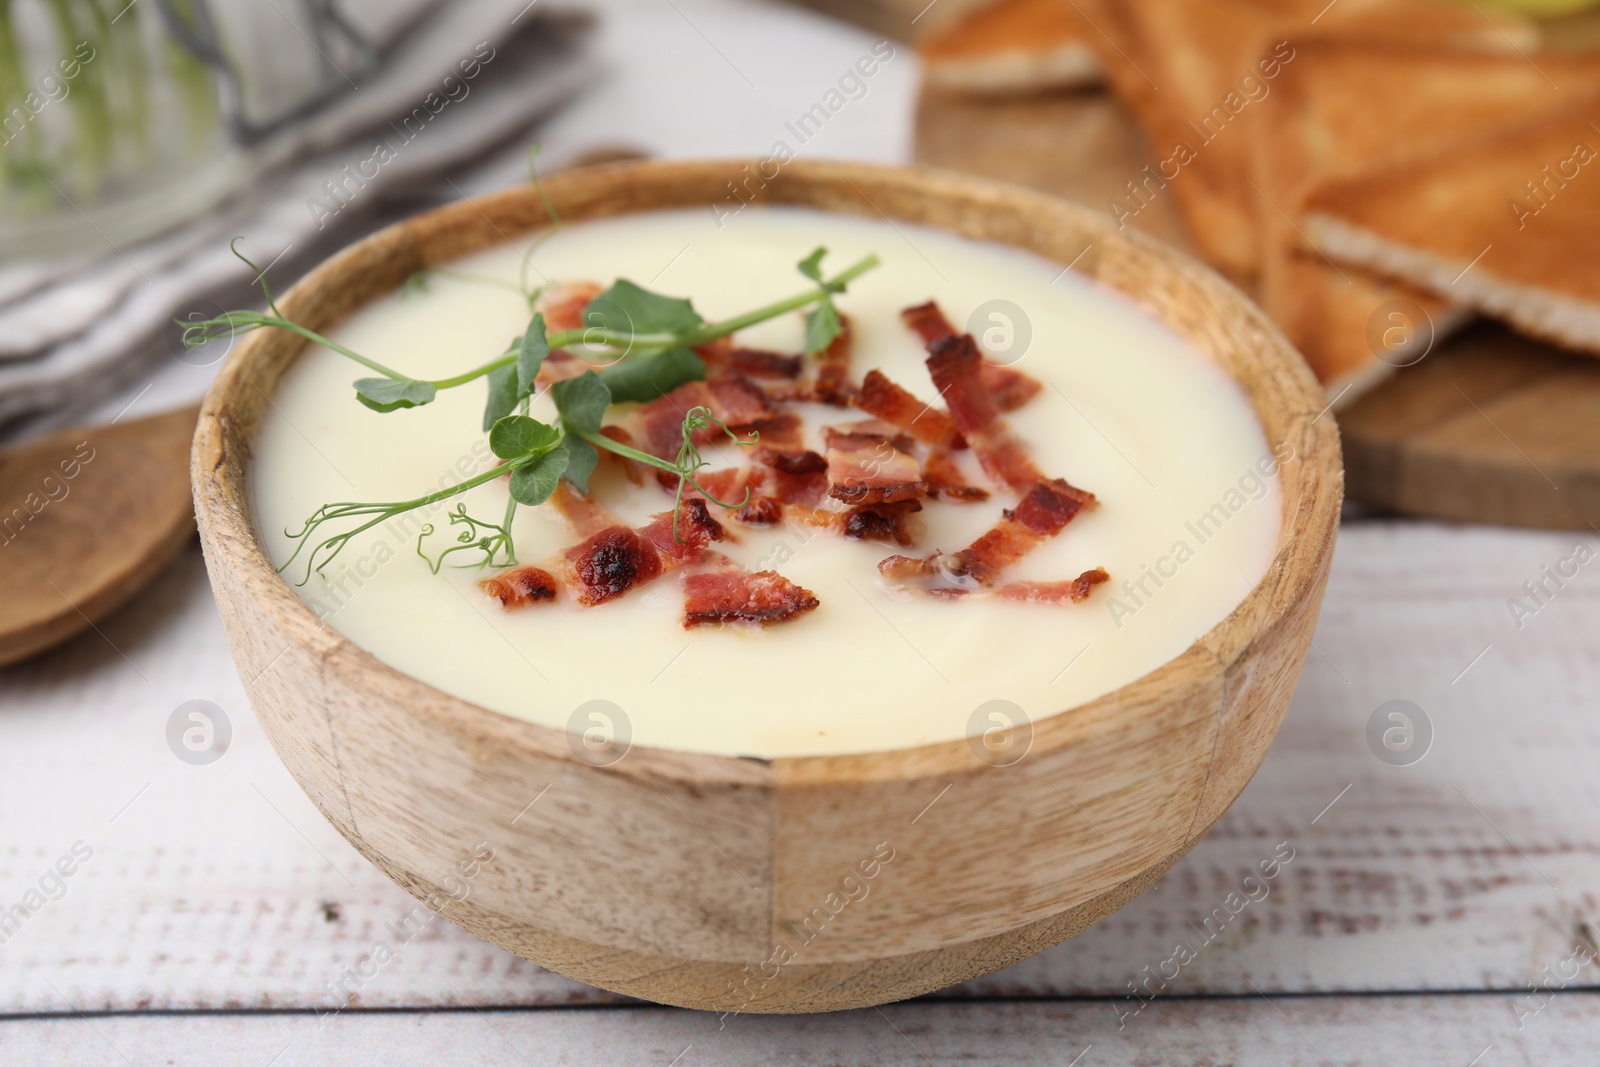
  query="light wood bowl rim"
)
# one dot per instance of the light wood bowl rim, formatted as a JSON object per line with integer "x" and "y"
{"x": 220, "y": 489}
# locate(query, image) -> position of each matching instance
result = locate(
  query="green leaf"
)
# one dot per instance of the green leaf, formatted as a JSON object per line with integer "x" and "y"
{"x": 516, "y": 436}
{"x": 642, "y": 378}
{"x": 388, "y": 394}
{"x": 582, "y": 401}
{"x": 531, "y": 351}
{"x": 822, "y": 326}
{"x": 502, "y": 395}
{"x": 811, "y": 266}
{"x": 581, "y": 460}
{"x": 532, "y": 484}
{"x": 626, "y": 308}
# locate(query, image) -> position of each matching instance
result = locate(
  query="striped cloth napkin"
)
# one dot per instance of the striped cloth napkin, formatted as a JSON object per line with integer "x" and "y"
{"x": 79, "y": 329}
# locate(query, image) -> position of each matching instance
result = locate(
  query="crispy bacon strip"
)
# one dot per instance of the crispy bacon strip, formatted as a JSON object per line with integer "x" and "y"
{"x": 931, "y": 425}
{"x": 583, "y": 513}
{"x": 1009, "y": 388}
{"x": 886, "y": 523}
{"x": 769, "y": 366}
{"x": 731, "y": 397}
{"x": 562, "y": 304}
{"x": 737, "y": 400}
{"x": 520, "y": 587}
{"x": 560, "y": 365}
{"x": 955, "y": 364}
{"x": 783, "y": 430}
{"x": 1041, "y": 514}
{"x": 722, "y": 354}
{"x": 790, "y": 461}
{"x": 729, "y": 593}
{"x": 865, "y": 434}
{"x": 833, "y": 376}
{"x": 616, "y": 559}
{"x": 632, "y": 469}
{"x": 875, "y": 473}
{"x": 747, "y": 486}
{"x": 798, "y": 474}
{"x": 946, "y": 481}
{"x": 1071, "y": 591}
{"x": 929, "y": 322}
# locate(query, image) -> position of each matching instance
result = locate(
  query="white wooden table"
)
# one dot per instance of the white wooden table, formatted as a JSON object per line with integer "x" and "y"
{"x": 216, "y": 909}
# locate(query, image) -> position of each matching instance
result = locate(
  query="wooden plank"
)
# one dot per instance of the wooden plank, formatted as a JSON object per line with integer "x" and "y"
{"x": 1079, "y": 146}
{"x": 1459, "y": 1030}
{"x": 219, "y": 886}
{"x": 1492, "y": 427}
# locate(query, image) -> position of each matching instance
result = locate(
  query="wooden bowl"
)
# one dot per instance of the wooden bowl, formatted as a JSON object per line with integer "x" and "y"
{"x": 784, "y": 885}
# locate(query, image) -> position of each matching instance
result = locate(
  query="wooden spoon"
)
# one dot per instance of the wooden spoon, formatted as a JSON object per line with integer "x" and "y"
{"x": 87, "y": 518}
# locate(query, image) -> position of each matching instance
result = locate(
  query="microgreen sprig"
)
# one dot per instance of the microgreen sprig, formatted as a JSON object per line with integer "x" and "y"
{"x": 649, "y": 340}
{"x": 494, "y": 542}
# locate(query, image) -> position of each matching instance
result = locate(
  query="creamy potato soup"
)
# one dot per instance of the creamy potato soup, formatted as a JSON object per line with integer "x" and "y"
{"x": 1065, "y": 389}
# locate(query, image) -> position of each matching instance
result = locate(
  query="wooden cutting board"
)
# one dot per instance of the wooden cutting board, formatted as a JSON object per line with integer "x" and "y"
{"x": 1488, "y": 427}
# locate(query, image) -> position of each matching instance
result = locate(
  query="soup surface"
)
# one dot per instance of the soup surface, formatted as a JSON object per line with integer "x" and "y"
{"x": 1187, "y": 517}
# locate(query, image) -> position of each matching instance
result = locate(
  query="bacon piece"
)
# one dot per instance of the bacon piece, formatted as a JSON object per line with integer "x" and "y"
{"x": 562, "y": 304}
{"x": 790, "y": 461}
{"x": 783, "y": 430}
{"x": 722, "y": 354}
{"x": 798, "y": 474}
{"x": 931, "y": 425}
{"x": 657, "y": 425}
{"x": 1055, "y": 592}
{"x": 888, "y": 523}
{"x": 560, "y": 365}
{"x": 866, "y": 433}
{"x": 882, "y": 522}
{"x": 770, "y": 366}
{"x": 631, "y": 468}
{"x": 873, "y": 474}
{"x": 617, "y": 559}
{"x": 832, "y": 385}
{"x": 737, "y": 400}
{"x": 694, "y": 524}
{"x": 929, "y": 322}
{"x": 1041, "y": 514}
{"x": 610, "y": 563}
{"x": 807, "y": 490}
{"x": 584, "y": 514}
{"x": 1008, "y": 388}
{"x": 761, "y": 511}
{"x": 729, "y": 593}
{"x": 520, "y": 587}
{"x": 728, "y": 484}
{"x": 955, "y": 364}
{"x": 730, "y": 396}
{"x": 946, "y": 481}
{"x": 748, "y": 487}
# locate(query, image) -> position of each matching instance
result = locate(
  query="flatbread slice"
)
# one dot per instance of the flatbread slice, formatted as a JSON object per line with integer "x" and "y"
{"x": 1204, "y": 68}
{"x": 1506, "y": 222}
{"x": 1012, "y": 47}
{"x": 1340, "y": 109}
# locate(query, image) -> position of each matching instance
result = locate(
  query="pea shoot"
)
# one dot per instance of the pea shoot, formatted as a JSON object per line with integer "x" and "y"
{"x": 648, "y": 341}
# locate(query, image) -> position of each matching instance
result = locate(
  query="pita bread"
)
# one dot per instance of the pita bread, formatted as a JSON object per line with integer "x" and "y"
{"x": 1208, "y": 65}
{"x": 1011, "y": 47}
{"x": 1342, "y": 108}
{"x": 1506, "y": 221}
